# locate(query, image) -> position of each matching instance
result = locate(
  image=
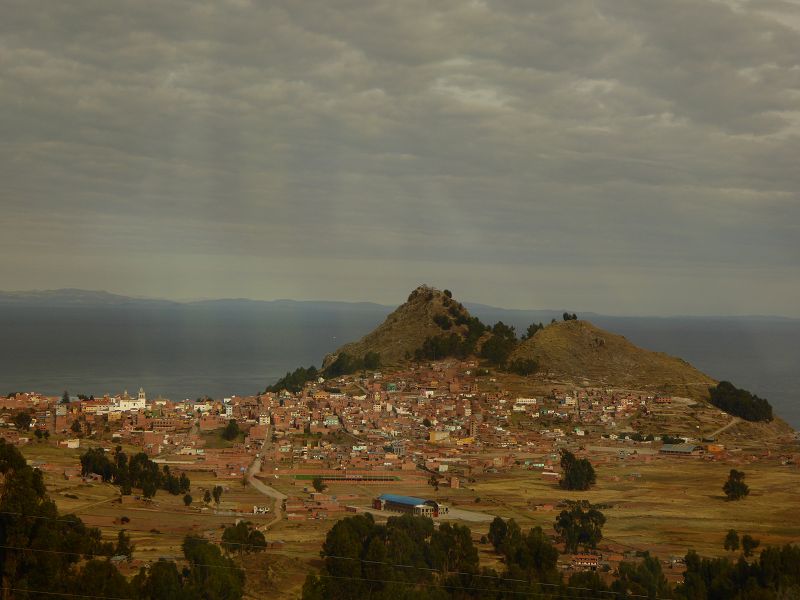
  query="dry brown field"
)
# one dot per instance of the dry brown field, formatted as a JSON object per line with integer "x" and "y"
{"x": 674, "y": 504}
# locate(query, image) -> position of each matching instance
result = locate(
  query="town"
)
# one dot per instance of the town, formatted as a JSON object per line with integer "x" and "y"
{"x": 437, "y": 419}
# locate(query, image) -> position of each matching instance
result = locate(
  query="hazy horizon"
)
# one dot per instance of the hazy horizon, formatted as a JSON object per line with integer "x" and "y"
{"x": 397, "y": 303}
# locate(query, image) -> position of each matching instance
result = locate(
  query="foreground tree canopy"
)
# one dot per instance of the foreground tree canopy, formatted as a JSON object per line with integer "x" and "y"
{"x": 72, "y": 560}
{"x": 410, "y": 558}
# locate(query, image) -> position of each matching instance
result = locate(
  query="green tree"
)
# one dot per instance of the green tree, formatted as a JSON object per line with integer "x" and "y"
{"x": 23, "y": 420}
{"x": 64, "y": 398}
{"x": 243, "y": 537}
{"x": 294, "y": 381}
{"x": 732, "y": 540}
{"x": 207, "y": 497}
{"x": 735, "y": 488}
{"x": 319, "y": 484}
{"x": 231, "y": 431}
{"x": 577, "y": 473}
{"x": 149, "y": 488}
{"x": 532, "y": 330}
{"x": 95, "y": 460}
{"x": 211, "y": 575}
{"x": 29, "y": 519}
{"x": 372, "y": 361}
{"x": 739, "y": 402}
{"x": 580, "y": 525}
{"x": 187, "y": 500}
{"x": 531, "y": 555}
{"x": 749, "y": 544}
{"x": 217, "y": 493}
{"x": 102, "y": 579}
{"x": 162, "y": 580}
{"x": 452, "y": 549}
{"x": 644, "y": 579}
{"x": 124, "y": 546}
{"x": 498, "y": 348}
{"x": 523, "y": 366}
{"x": 497, "y": 532}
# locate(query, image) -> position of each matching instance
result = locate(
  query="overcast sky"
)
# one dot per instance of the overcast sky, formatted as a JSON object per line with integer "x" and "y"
{"x": 622, "y": 156}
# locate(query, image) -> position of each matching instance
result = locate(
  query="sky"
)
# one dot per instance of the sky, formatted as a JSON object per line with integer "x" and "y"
{"x": 621, "y": 156}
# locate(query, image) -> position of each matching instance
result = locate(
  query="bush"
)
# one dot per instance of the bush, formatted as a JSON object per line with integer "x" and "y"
{"x": 443, "y": 321}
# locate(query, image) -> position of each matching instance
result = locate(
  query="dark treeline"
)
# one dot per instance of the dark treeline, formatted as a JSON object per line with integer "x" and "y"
{"x": 740, "y": 403}
{"x": 71, "y": 559}
{"x": 138, "y": 472}
{"x": 495, "y": 349}
{"x": 295, "y": 380}
{"x": 458, "y": 345}
{"x": 410, "y": 558}
{"x": 346, "y": 364}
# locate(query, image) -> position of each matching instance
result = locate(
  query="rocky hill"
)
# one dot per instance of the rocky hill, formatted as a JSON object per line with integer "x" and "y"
{"x": 580, "y": 352}
{"x": 570, "y": 351}
{"x": 405, "y": 330}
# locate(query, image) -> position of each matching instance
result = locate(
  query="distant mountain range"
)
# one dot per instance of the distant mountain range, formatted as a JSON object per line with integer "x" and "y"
{"x": 99, "y": 298}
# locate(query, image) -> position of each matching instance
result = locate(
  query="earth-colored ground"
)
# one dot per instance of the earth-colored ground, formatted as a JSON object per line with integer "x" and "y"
{"x": 665, "y": 505}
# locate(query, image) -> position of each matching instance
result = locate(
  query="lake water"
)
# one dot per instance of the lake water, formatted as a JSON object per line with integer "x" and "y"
{"x": 225, "y": 348}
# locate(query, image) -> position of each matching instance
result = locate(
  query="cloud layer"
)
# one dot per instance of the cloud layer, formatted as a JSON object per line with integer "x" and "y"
{"x": 616, "y": 155}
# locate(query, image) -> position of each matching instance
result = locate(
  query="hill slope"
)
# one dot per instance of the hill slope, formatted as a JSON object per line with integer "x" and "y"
{"x": 405, "y": 330}
{"x": 577, "y": 350}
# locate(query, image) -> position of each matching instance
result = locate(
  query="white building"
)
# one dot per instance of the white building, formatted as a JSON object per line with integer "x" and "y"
{"x": 127, "y": 403}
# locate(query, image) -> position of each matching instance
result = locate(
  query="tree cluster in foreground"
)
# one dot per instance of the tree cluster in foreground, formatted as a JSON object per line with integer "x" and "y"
{"x": 410, "y": 558}
{"x": 46, "y": 556}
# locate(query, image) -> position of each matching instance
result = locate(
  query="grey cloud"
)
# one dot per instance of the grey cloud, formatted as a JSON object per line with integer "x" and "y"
{"x": 644, "y": 137}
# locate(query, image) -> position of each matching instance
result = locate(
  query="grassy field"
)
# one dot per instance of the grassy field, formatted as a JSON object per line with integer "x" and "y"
{"x": 674, "y": 504}
{"x": 665, "y": 505}
{"x": 157, "y": 527}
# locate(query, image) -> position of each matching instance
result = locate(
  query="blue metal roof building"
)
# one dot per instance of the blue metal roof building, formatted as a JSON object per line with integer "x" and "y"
{"x": 397, "y": 499}
{"x": 410, "y": 504}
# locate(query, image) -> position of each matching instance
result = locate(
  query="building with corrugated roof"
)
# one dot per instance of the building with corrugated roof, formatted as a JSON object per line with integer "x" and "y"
{"x": 681, "y": 449}
{"x": 410, "y": 505}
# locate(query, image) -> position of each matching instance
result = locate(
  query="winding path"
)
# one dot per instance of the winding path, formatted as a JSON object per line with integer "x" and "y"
{"x": 734, "y": 421}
